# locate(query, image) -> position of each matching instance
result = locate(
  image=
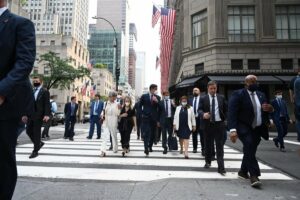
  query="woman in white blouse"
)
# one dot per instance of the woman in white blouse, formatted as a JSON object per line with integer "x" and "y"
{"x": 111, "y": 113}
{"x": 184, "y": 124}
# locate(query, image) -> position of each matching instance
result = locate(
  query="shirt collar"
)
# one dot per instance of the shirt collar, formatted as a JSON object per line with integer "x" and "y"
{"x": 212, "y": 96}
{"x": 2, "y": 10}
{"x": 251, "y": 92}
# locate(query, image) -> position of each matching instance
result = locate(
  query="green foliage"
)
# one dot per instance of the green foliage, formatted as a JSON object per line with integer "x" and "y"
{"x": 23, "y": 2}
{"x": 100, "y": 66}
{"x": 61, "y": 74}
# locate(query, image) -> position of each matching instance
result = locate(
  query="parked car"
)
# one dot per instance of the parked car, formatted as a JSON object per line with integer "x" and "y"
{"x": 58, "y": 118}
{"x": 86, "y": 118}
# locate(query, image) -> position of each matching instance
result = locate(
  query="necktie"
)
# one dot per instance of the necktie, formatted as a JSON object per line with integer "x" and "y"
{"x": 96, "y": 107}
{"x": 152, "y": 99}
{"x": 195, "y": 105}
{"x": 213, "y": 109}
{"x": 282, "y": 113}
{"x": 254, "y": 123}
{"x": 167, "y": 109}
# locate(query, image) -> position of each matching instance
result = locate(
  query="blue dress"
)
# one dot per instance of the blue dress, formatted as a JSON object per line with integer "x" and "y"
{"x": 184, "y": 131}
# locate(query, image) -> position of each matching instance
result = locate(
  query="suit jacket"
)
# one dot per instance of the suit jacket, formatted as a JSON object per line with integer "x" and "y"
{"x": 68, "y": 110}
{"x": 162, "y": 111}
{"x": 149, "y": 110}
{"x": 205, "y": 107}
{"x": 191, "y": 118}
{"x": 42, "y": 106}
{"x": 275, "y": 116}
{"x": 241, "y": 113}
{"x": 17, "y": 56}
{"x": 99, "y": 110}
{"x": 138, "y": 111}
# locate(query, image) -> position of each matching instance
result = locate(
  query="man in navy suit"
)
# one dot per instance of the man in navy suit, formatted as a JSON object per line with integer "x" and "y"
{"x": 17, "y": 56}
{"x": 70, "y": 118}
{"x": 248, "y": 120}
{"x": 150, "y": 120}
{"x": 166, "y": 116}
{"x": 95, "y": 117}
{"x": 280, "y": 118}
{"x": 138, "y": 114}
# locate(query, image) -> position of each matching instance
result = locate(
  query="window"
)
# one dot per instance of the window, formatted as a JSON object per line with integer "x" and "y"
{"x": 241, "y": 24}
{"x": 236, "y": 64}
{"x": 286, "y": 63}
{"x": 253, "y": 64}
{"x": 199, "y": 32}
{"x": 199, "y": 68}
{"x": 288, "y": 22}
{"x": 52, "y": 42}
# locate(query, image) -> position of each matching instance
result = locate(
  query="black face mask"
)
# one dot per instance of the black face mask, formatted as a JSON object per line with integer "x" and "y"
{"x": 36, "y": 84}
{"x": 195, "y": 94}
{"x": 253, "y": 87}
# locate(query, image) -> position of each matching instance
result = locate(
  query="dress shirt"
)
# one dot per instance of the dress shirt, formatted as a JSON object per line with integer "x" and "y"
{"x": 258, "y": 120}
{"x": 96, "y": 104}
{"x": 217, "y": 112}
{"x": 36, "y": 92}
{"x": 197, "y": 98}
{"x": 168, "y": 101}
{"x": 2, "y": 10}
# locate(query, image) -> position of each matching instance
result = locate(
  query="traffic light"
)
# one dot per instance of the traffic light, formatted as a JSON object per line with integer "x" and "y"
{"x": 117, "y": 73}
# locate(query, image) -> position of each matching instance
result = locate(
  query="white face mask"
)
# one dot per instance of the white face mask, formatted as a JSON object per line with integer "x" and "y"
{"x": 279, "y": 96}
{"x": 183, "y": 103}
{"x": 167, "y": 97}
{"x": 156, "y": 92}
{"x": 127, "y": 103}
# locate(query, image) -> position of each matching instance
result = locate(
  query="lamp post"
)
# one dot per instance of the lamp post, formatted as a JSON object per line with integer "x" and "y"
{"x": 117, "y": 69}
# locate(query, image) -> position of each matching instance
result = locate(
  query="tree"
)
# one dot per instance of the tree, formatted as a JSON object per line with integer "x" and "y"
{"x": 61, "y": 74}
{"x": 100, "y": 66}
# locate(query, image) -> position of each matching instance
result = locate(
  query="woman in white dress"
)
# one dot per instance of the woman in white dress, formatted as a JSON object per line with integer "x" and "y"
{"x": 110, "y": 124}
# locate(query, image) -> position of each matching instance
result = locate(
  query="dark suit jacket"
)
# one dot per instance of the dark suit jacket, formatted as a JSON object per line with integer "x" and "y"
{"x": 138, "y": 110}
{"x": 68, "y": 110}
{"x": 149, "y": 110}
{"x": 275, "y": 116}
{"x": 17, "y": 56}
{"x": 241, "y": 113}
{"x": 205, "y": 107}
{"x": 42, "y": 106}
{"x": 162, "y": 111}
{"x": 99, "y": 110}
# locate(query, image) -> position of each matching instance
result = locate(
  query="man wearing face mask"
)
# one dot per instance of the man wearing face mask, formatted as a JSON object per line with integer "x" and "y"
{"x": 41, "y": 114}
{"x": 195, "y": 102}
{"x": 248, "y": 120}
{"x": 150, "y": 119}
{"x": 280, "y": 118}
{"x": 166, "y": 115}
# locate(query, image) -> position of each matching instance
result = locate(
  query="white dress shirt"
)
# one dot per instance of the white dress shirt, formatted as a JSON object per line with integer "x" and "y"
{"x": 217, "y": 112}
{"x": 169, "y": 107}
{"x": 197, "y": 98}
{"x": 37, "y": 92}
{"x": 2, "y": 10}
{"x": 96, "y": 104}
{"x": 258, "y": 119}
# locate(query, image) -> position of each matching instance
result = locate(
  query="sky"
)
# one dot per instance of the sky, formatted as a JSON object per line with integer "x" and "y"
{"x": 148, "y": 38}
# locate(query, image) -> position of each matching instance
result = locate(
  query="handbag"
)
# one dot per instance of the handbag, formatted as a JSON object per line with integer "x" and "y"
{"x": 172, "y": 142}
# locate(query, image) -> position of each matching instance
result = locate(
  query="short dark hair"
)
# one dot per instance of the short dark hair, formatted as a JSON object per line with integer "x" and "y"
{"x": 211, "y": 83}
{"x": 278, "y": 91}
{"x": 183, "y": 97}
{"x": 52, "y": 96}
{"x": 165, "y": 92}
{"x": 152, "y": 86}
{"x": 38, "y": 77}
{"x": 72, "y": 98}
{"x": 97, "y": 95}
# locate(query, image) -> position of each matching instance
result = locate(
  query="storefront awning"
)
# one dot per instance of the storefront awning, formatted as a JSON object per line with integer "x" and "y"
{"x": 228, "y": 79}
{"x": 188, "y": 82}
{"x": 285, "y": 79}
{"x": 263, "y": 79}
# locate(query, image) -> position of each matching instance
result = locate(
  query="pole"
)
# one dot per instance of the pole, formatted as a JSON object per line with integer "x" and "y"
{"x": 117, "y": 70}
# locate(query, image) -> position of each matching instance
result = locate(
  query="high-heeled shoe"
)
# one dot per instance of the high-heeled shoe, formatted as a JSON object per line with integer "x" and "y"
{"x": 123, "y": 154}
{"x": 103, "y": 154}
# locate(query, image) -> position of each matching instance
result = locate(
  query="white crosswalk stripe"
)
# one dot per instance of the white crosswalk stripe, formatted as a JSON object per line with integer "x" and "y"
{"x": 80, "y": 160}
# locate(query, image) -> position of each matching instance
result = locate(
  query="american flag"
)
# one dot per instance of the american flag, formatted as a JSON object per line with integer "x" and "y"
{"x": 166, "y": 32}
{"x": 93, "y": 91}
{"x": 155, "y": 16}
{"x": 91, "y": 64}
{"x": 84, "y": 88}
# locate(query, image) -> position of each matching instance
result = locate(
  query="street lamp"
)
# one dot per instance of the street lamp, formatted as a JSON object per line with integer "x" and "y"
{"x": 117, "y": 70}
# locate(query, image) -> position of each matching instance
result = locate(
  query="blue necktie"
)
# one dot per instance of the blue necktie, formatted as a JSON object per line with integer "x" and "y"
{"x": 213, "y": 109}
{"x": 167, "y": 109}
{"x": 195, "y": 102}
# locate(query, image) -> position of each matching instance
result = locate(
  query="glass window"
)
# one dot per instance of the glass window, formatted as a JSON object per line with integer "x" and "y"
{"x": 253, "y": 64}
{"x": 288, "y": 22}
{"x": 199, "y": 68}
{"x": 199, "y": 30}
{"x": 286, "y": 63}
{"x": 237, "y": 64}
{"x": 241, "y": 24}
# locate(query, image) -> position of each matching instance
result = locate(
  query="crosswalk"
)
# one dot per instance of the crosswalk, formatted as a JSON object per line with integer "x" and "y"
{"x": 80, "y": 160}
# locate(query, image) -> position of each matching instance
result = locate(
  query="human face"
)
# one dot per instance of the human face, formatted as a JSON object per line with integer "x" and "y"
{"x": 196, "y": 91}
{"x": 153, "y": 90}
{"x": 36, "y": 82}
{"x": 212, "y": 89}
{"x": 96, "y": 98}
{"x": 74, "y": 100}
{"x": 112, "y": 99}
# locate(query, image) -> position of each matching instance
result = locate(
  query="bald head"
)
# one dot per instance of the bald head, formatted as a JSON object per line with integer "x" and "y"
{"x": 250, "y": 79}
{"x": 251, "y": 83}
{"x": 196, "y": 91}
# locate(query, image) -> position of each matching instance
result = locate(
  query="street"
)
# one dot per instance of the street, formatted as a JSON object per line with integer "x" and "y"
{"x": 74, "y": 170}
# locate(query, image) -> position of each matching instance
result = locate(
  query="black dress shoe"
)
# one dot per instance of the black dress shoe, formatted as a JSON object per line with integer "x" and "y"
{"x": 71, "y": 139}
{"x": 243, "y": 175}
{"x": 207, "y": 165}
{"x": 34, "y": 154}
{"x": 110, "y": 148}
{"x": 146, "y": 152}
{"x": 165, "y": 151}
{"x": 150, "y": 150}
{"x": 276, "y": 142}
{"x": 282, "y": 149}
{"x": 65, "y": 138}
{"x": 195, "y": 151}
{"x": 222, "y": 171}
{"x": 89, "y": 138}
{"x": 255, "y": 182}
{"x": 41, "y": 145}
{"x": 98, "y": 138}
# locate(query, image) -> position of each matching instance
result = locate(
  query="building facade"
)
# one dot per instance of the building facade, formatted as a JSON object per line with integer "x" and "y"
{"x": 224, "y": 40}
{"x": 103, "y": 81}
{"x": 140, "y": 73}
{"x": 132, "y": 55}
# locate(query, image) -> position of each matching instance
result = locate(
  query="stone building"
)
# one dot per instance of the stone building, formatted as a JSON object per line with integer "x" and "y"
{"x": 103, "y": 80}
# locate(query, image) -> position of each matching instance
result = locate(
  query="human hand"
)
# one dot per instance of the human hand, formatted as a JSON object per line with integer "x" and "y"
{"x": 158, "y": 124}
{"x": 2, "y": 99}
{"x": 233, "y": 136}
{"x": 46, "y": 118}
{"x": 194, "y": 129}
{"x": 206, "y": 115}
{"x": 267, "y": 107}
{"x": 24, "y": 119}
{"x": 124, "y": 115}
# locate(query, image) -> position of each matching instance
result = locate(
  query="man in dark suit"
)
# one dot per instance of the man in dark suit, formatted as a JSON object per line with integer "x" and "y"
{"x": 248, "y": 120}
{"x": 70, "y": 111}
{"x": 213, "y": 110}
{"x": 166, "y": 116}
{"x": 95, "y": 117}
{"x": 17, "y": 56}
{"x": 149, "y": 106}
{"x": 280, "y": 118}
{"x": 138, "y": 114}
{"x": 195, "y": 102}
{"x": 42, "y": 112}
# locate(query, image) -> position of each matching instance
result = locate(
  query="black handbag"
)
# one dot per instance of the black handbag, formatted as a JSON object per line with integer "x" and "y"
{"x": 173, "y": 143}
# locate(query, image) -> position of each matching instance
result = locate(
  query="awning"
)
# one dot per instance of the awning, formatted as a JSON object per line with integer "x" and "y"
{"x": 188, "y": 82}
{"x": 285, "y": 79}
{"x": 228, "y": 79}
